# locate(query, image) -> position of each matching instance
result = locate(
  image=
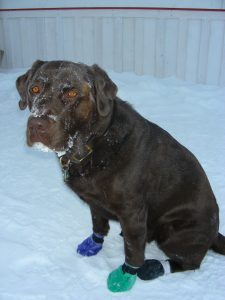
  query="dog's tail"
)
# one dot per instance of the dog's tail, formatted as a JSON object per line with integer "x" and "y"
{"x": 219, "y": 244}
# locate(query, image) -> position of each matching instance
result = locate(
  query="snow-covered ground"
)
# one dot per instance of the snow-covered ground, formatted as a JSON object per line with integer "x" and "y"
{"x": 42, "y": 221}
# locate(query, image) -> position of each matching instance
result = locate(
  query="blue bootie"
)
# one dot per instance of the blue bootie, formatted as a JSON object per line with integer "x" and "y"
{"x": 91, "y": 246}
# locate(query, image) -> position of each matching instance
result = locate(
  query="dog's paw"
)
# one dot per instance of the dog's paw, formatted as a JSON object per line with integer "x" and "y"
{"x": 152, "y": 269}
{"x": 120, "y": 281}
{"x": 89, "y": 246}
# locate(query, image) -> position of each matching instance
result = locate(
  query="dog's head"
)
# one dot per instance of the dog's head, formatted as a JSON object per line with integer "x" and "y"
{"x": 65, "y": 99}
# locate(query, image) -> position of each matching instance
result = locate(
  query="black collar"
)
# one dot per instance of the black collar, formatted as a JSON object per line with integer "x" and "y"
{"x": 70, "y": 158}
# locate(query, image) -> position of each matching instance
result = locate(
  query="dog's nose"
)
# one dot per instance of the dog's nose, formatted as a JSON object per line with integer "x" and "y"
{"x": 37, "y": 125}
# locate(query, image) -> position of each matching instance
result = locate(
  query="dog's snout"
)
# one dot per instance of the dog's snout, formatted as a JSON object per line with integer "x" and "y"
{"x": 37, "y": 125}
{"x": 38, "y": 130}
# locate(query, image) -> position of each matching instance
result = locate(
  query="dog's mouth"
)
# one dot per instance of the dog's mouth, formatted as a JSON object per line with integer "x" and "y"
{"x": 39, "y": 142}
{"x": 44, "y": 133}
{"x": 39, "y": 131}
{"x": 43, "y": 146}
{"x": 34, "y": 137}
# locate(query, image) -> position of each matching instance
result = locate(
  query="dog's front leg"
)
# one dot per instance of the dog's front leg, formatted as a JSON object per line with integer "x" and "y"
{"x": 134, "y": 232}
{"x": 93, "y": 244}
{"x": 100, "y": 223}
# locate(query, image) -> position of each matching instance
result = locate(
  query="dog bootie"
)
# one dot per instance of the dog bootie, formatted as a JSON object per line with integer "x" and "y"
{"x": 91, "y": 246}
{"x": 152, "y": 269}
{"x": 120, "y": 280}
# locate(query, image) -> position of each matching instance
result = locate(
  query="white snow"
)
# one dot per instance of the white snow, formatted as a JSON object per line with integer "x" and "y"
{"x": 42, "y": 221}
{"x": 41, "y": 147}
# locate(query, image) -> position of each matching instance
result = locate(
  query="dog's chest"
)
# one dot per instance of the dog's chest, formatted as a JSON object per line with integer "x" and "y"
{"x": 94, "y": 190}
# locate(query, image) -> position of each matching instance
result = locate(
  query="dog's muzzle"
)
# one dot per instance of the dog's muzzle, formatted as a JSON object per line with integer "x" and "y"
{"x": 38, "y": 130}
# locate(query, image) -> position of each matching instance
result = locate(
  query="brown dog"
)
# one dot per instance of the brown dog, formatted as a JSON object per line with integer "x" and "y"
{"x": 125, "y": 167}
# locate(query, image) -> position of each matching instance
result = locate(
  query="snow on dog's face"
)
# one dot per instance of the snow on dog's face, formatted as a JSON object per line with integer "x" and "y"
{"x": 65, "y": 100}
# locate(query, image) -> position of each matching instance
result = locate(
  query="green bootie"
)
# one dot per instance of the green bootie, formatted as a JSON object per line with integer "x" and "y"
{"x": 118, "y": 281}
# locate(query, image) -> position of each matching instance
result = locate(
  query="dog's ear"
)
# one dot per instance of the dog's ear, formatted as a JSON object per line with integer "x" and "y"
{"x": 105, "y": 91}
{"x": 22, "y": 83}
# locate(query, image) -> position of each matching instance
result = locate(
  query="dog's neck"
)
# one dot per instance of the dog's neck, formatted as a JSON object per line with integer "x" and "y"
{"x": 93, "y": 151}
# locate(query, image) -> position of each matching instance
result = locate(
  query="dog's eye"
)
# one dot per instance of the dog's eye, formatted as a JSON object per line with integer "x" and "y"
{"x": 35, "y": 89}
{"x": 71, "y": 94}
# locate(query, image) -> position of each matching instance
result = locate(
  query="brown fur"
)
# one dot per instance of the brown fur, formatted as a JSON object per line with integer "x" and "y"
{"x": 137, "y": 173}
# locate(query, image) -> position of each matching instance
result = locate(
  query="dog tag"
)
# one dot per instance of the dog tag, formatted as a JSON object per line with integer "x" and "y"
{"x": 65, "y": 168}
{"x": 66, "y": 174}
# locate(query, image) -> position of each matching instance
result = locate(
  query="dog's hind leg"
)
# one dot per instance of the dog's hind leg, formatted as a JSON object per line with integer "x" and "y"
{"x": 185, "y": 251}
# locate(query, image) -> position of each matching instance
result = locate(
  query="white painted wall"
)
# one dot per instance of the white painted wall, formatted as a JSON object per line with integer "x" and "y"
{"x": 186, "y": 44}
